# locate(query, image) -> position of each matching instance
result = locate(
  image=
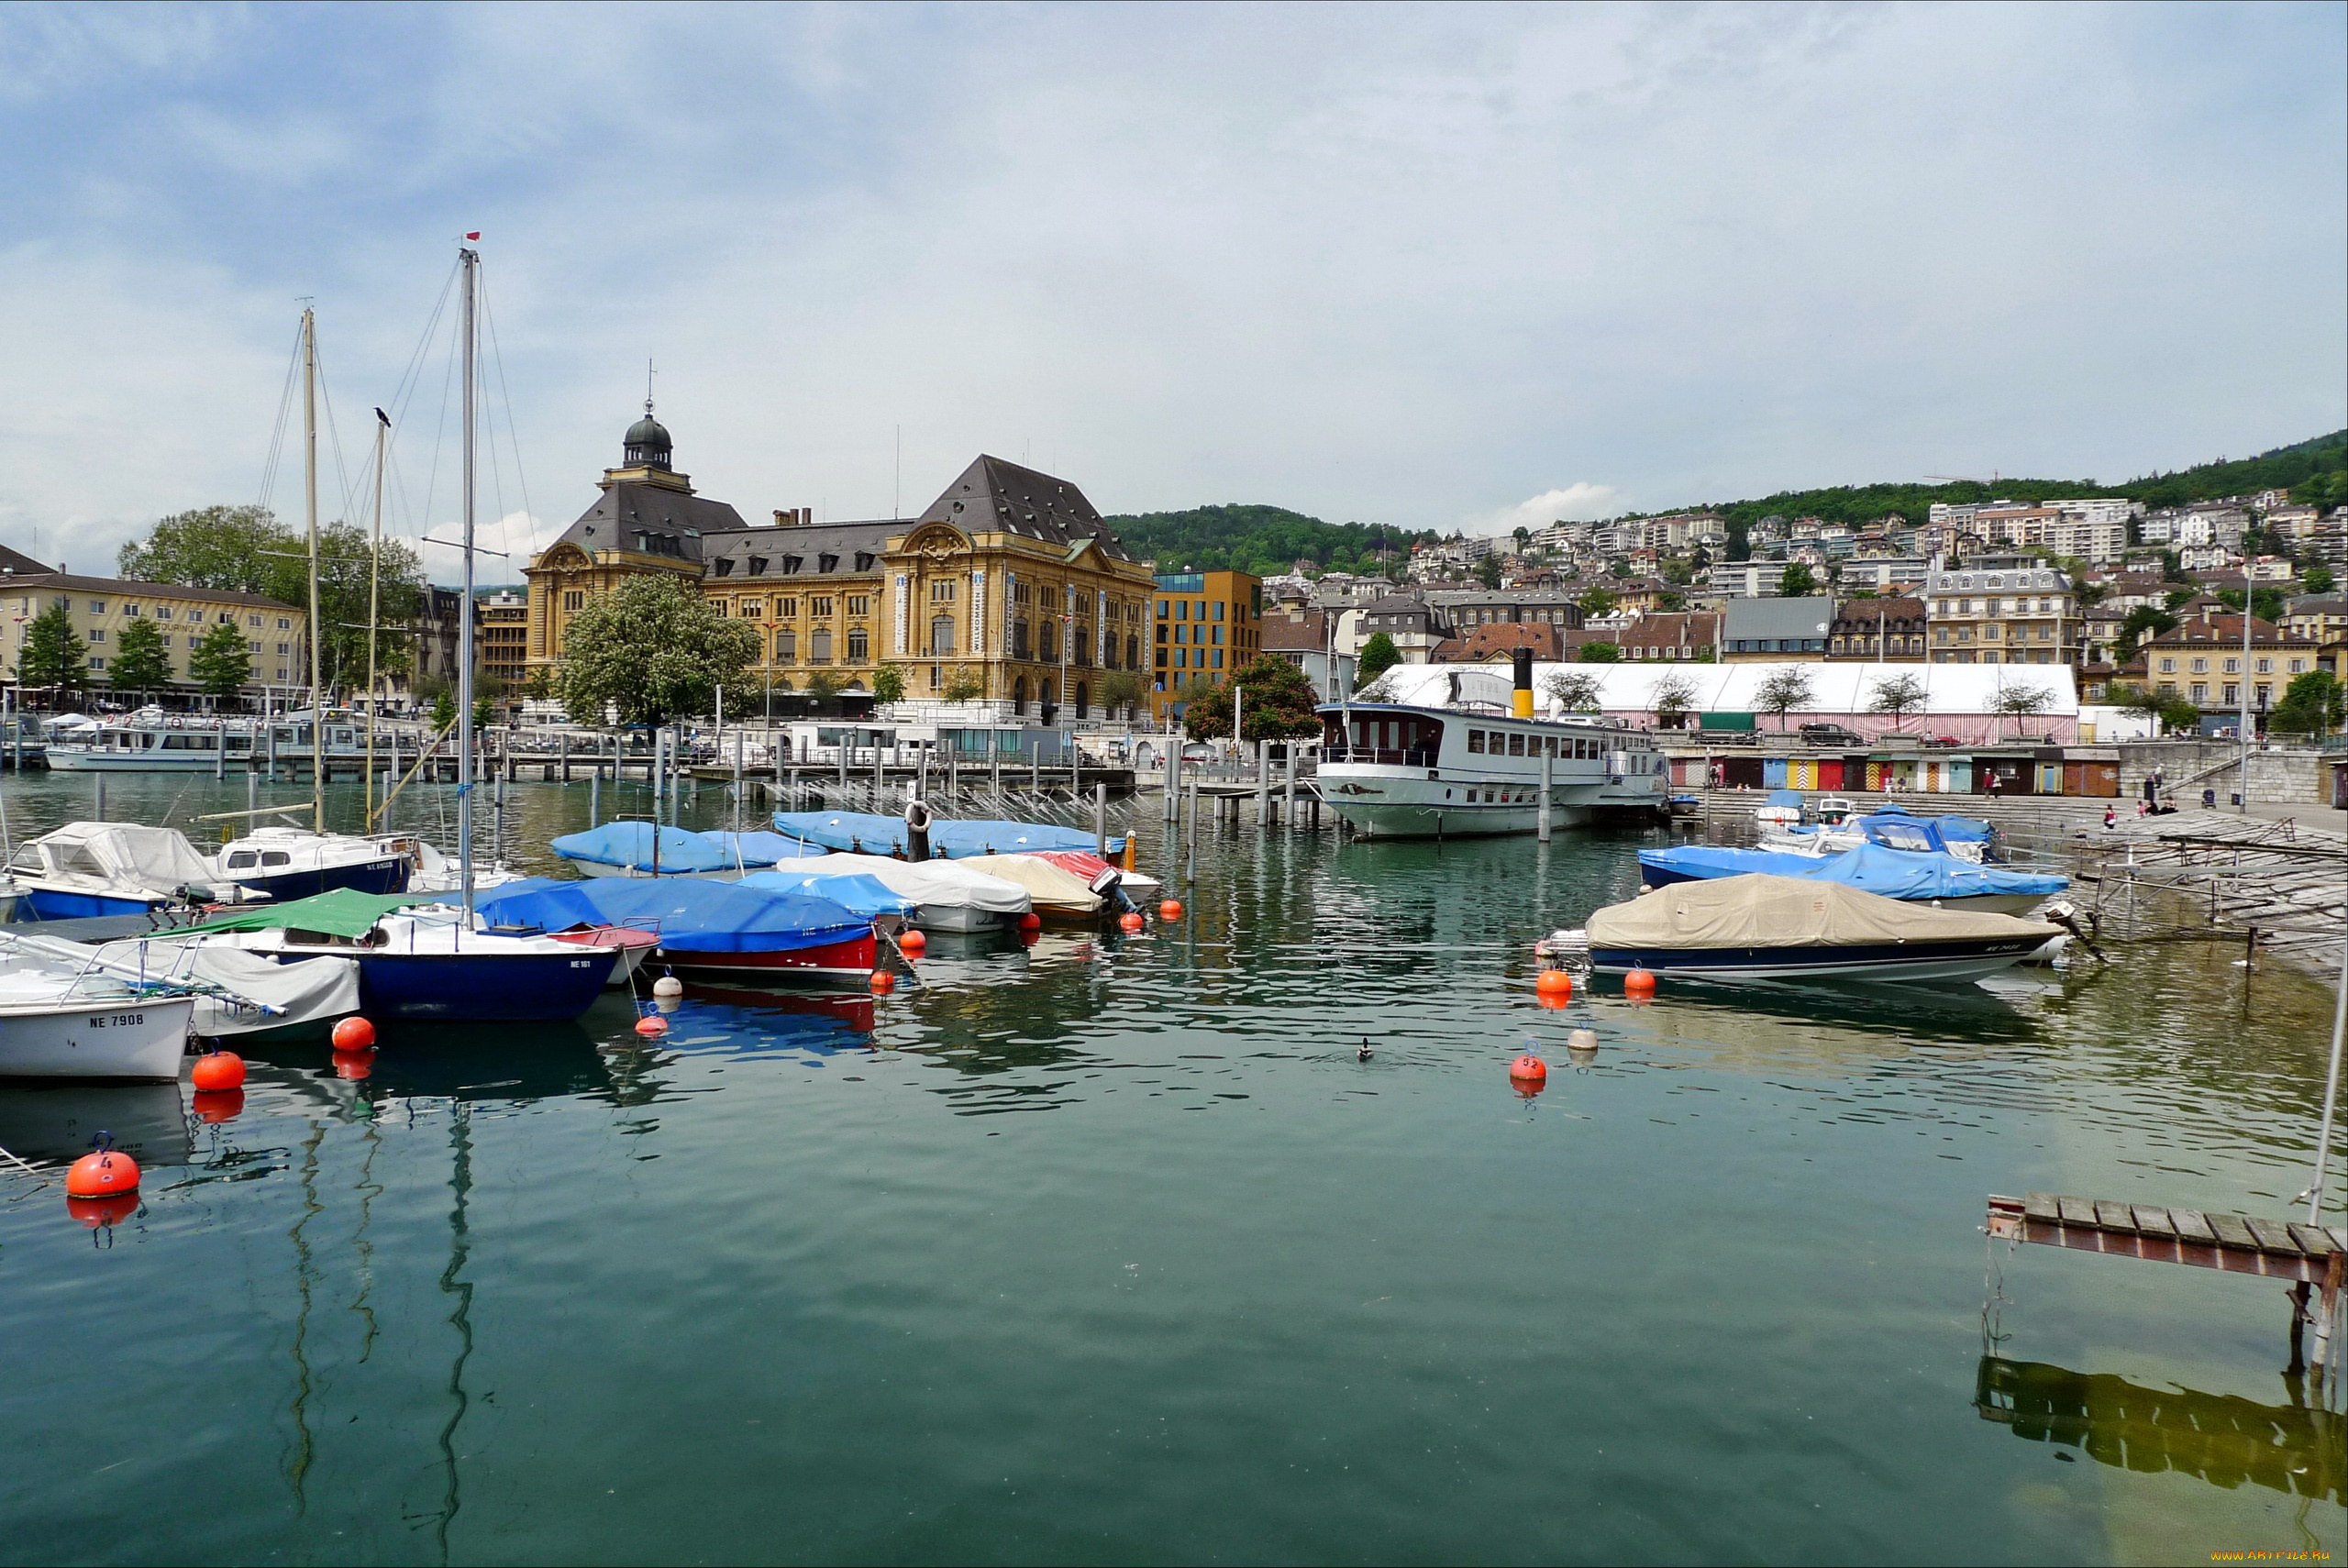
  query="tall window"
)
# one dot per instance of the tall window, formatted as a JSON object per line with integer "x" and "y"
{"x": 1133, "y": 653}
{"x": 1049, "y": 645}
{"x": 942, "y": 591}
{"x": 1019, "y": 695}
{"x": 786, "y": 645}
{"x": 576, "y": 599}
{"x": 859, "y": 646}
{"x": 1083, "y": 699}
{"x": 1019, "y": 639}
{"x": 819, "y": 645}
{"x": 941, "y": 634}
{"x": 860, "y": 604}
{"x": 822, "y": 606}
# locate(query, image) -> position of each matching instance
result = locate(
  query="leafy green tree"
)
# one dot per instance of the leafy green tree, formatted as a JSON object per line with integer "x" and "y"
{"x": 1599, "y": 652}
{"x": 1523, "y": 536}
{"x": 140, "y": 662}
{"x": 824, "y": 684}
{"x": 968, "y": 686}
{"x": 1675, "y": 699}
{"x": 221, "y": 663}
{"x": 1679, "y": 571}
{"x": 1671, "y": 603}
{"x": 2268, "y": 603}
{"x": 2316, "y": 578}
{"x": 223, "y": 548}
{"x": 1124, "y": 689}
{"x": 2141, "y": 621}
{"x": 484, "y": 713}
{"x": 444, "y": 707}
{"x": 2311, "y": 704}
{"x": 1897, "y": 695}
{"x": 652, "y": 649}
{"x": 1279, "y": 706}
{"x": 1796, "y": 581}
{"x": 888, "y": 684}
{"x": 1575, "y": 691}
{"x": 1378, "y": 656}
{"x": 1488, "y": 572}
{"x": 1598, "y": 603}
{"x": 1784, "y": 690}
{"x": 53, "y": 654}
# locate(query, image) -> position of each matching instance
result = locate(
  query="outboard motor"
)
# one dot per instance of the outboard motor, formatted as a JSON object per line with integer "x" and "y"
{"x": 1108, "y": 886}
{"x": 917, "y": 821}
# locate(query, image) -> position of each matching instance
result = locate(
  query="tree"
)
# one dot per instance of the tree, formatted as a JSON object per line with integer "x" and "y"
{"x": 53, "y": 654}
{"x": 541, "y": 685}
{"x": 484, "y": 714}
{"x": 888, "y": 684}
{"x": 1897, "y": 695}
{"x": 1784, "y": 692}
{"x": 1278, "y": 705}
{"x": 1796, "y": 581}
{"x": 963, "y": 686}
{"x": 1597, "y": 603}
{"x": 1680, "y": 570}
{"x": 824, "y": 684}
{"x": 223, "y": 548}
{"x": 1620, "y": 567}
{"x": 1488, "y": 572}
{"x": 139, "y": 662}
{"x": 444, "y": 707}
{"x": 2311, "y": 704}
{"x": 652, "y": 649}
{"x": 2019, "y": 702}
{"x": 2142, "y": 620}
{"x": 2318, "y": 579}
{"x": 1596, "y": 652}
{"x": 2267, "y": 603}
{"x": 1575, "y": 691}
{"x": 221, "y": 663}
{"x": 1675, "y": 699}
{"x": 2164, "y": 710}
{"x": 1124, "y": 689}
{"x": 1378, "y": 656}
{"x": 1671, "y": 603}
{"x": 1523, "y": 536}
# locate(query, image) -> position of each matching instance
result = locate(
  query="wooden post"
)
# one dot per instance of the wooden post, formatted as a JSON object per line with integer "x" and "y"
{"x": 1541, "y": 822}
{"x": 1101, "y": 821}
{"x": 1263, "y": 782}
{"x": 1191, "y": 873}
{"x": 1287, "y": 788}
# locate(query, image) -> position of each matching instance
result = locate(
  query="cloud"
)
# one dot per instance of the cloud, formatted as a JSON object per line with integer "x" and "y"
{"x": 1576, "y": 503}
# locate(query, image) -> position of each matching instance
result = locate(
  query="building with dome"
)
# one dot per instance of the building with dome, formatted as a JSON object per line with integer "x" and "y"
{"x": 1008, "y": 586}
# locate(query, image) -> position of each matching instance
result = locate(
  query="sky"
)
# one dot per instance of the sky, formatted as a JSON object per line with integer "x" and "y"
{"x": 1446, "y": 267}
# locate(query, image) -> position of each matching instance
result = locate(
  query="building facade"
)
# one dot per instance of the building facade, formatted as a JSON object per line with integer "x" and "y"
{"x": 2202, "y": 661}
{"x": 1889, "y": 629}
{"x": 2009, "y": 616}
{"x": 502, "y": 642}
{"x": 1207, "y": 624}
{"x": 1008, "y": 588}
{"x": 1756, "y": 629}
{"x": 276, "y": 635}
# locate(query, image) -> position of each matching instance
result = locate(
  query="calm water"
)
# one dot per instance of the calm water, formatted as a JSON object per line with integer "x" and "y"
{"x": 1113, "y": 1250}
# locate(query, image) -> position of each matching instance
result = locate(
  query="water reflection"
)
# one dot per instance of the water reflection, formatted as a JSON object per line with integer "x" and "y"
{"x": 2219, "y": 1438}
{"x": 54, "y": 1121}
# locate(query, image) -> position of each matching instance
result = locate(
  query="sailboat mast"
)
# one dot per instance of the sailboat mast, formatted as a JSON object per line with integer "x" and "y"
{"x": 318, "y": 626}
{"x": 374, "y": 606}
{"x": 471, "y": 261}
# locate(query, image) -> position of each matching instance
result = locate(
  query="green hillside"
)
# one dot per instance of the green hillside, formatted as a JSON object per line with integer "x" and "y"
{"x": 1264, "y": 540}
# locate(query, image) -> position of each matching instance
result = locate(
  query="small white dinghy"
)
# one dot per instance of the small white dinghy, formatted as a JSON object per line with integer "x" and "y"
{"x": 56, "y": 1023}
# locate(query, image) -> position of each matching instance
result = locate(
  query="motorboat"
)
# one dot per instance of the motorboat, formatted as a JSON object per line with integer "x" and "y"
{"x": 63, "y": 1019}
{"x": 1892, "y": 827}
{"x": 1762, "y": 928}
{"x": 643, "y": 849}
{"x": 947, "y": 895}
{"x": 295, "y": 863}
{"x": 867, "y": 833}
{"x": 428, "y": 962}
{"x": 1084, "y": 864}
{"x": 1784, "y": 808}
{"x": 1927, "y": 877}
{"x": 85, "y": 869}
{"x": 710, "y": 928}
{"x": 1055, "y": 894}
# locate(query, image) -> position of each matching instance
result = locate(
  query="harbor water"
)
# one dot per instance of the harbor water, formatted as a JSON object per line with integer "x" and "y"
{"x": 1114, "y": 1249}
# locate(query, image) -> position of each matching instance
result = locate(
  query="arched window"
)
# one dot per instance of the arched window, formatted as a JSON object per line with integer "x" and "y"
{"x": 819, "y": 645}
{"x": 786, "y": 645}
{"x": 1044, "y": 689}
{"x": 941, "y": 635}
{"x": 1083, "y": 695}
{"x": 1019, "y": 695}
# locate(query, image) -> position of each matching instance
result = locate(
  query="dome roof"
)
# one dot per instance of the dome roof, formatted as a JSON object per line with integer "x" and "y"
{"x": 647, "y": 442}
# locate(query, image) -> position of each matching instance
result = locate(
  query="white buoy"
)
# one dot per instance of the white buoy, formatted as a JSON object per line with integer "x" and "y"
{"x": 1582, "y": 1043}
{"x": 667, "y": 986}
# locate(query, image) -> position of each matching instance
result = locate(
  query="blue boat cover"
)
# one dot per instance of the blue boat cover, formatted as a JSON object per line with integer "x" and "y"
{"x": 759, "y": 849}
{"x": 861, "y": 832}
{"x": 1892, "y": 873}
{"x": 1785, "y": 798}
{"x": 630, "y": 845}
{"x": 1902, "y": 830}
{"x": 859, "y": 891}
{"x": 690, "y": 916}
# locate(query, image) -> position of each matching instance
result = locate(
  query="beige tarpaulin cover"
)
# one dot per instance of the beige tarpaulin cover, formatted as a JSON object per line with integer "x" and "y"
{"x": 1054, "y": 890}
{"x": 1760, "y": 911}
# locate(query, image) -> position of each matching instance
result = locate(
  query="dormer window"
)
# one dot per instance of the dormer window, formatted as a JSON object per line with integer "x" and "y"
{"x": 725, "y": 567}
{"x": 758, "y": 566}
{"x": 790, "y": 564}
{"x": 864, "y": 560}
{"x": 827, "y": 563}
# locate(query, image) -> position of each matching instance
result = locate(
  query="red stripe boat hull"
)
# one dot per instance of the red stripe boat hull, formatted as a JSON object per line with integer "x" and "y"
{"x": 837, "y": 962}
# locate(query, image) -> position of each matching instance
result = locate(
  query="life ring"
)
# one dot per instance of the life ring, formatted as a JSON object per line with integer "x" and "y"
{"x": 917, "y": 815}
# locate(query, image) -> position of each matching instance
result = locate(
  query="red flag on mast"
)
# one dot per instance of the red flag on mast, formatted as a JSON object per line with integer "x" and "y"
{"x": 474, "y": 234}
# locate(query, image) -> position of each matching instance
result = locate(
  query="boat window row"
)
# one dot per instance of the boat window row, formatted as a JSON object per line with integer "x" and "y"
{"x": 1516, "y": 743}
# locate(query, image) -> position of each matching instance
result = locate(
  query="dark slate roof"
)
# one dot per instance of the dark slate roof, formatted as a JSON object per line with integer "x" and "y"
{"x": 18, "y": 562}
{"x": 784, "y": 555}
{"x": 130, "y": 588}
{"x": 674, "y": 523}
{"x": 993, "y": 495}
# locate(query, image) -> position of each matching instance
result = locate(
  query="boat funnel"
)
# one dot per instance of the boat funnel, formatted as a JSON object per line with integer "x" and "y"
{"x": 1523, "y": 697}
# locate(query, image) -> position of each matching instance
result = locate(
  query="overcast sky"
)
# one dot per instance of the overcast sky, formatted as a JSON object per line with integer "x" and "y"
{"x": 1451, "y": 266}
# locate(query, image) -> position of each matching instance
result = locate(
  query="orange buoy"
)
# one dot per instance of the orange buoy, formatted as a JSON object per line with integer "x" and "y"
{"x": 910, "y": 941}
{"x": 883, "y": 982}
{"x": 1638, "y": 981}
{"x": 1529, "y": 1069}
{"x": 217, "y": 1071}
{"x": 1555, "y": 982}
{"x": 1129, "y": 922}
{"x": 97, "y": 1212}
{"x": 354, "y": 1033}
{"x": 1170, "y": 909}
{"x": 354, "y": 1065}
{"x": 1031, "y": 920}
{"x": 219, "y": 1105}
{"x": 651, "y": 1025}
{"x": 102, "y": 1173}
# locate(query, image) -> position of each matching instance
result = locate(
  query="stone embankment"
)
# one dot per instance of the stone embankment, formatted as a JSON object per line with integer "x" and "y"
{"x": 2187, "y": 875}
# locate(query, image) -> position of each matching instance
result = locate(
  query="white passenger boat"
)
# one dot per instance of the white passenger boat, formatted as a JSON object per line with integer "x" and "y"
{"x": 1472, "y": 767}
{"x": 159, "y": 742}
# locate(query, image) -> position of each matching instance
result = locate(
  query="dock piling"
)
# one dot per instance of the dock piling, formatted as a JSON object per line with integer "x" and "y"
{"x": 1540, "y": 821}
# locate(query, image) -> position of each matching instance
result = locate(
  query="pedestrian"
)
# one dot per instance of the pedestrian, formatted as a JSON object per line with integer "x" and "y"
{"x": 2110, "y": 819}
{"x": 2208, "y": 799}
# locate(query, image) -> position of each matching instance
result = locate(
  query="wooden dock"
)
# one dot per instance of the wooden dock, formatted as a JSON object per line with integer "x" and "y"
{"x": 2235, "y": 1243}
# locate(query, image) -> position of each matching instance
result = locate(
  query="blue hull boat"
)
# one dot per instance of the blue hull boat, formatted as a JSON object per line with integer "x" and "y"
{"x": 483, "y": 987}
{"x": 388, "y": 874}
{"x": 59, "y": 903}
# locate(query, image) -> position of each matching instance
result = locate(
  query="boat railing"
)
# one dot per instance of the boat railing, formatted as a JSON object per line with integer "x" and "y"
{"x": 1392, "y": 757}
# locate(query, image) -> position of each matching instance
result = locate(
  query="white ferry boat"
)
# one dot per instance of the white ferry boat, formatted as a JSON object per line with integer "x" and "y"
{"x": 177, "y": 744}
{"x": 1472, "y": 767}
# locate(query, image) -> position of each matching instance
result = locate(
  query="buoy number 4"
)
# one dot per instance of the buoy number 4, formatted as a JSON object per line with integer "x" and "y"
{"x": 119, "y": 1021}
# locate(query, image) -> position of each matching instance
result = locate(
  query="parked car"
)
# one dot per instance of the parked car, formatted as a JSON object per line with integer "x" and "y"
{"x": 1831, "y": 735}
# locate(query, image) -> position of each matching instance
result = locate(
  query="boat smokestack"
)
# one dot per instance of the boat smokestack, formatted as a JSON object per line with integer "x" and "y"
{"x": 1522, "y": 698}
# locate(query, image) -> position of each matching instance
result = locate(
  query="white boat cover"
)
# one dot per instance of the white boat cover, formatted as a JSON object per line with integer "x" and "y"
{"x": 950, "y": 883}
{"x": 157, "y": 859}
{"x": 1046, "y": 884}
{"x": 300, "y": 993}
{"x": 1762, "y": 911}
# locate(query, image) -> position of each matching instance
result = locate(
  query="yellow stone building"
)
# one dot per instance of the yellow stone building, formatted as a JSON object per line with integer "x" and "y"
{"x": 276, "y": 635}
{"x": 1008, "y": 587}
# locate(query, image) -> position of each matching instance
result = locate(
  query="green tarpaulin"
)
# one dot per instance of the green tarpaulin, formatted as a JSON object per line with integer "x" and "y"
{"x": 339, "y": 913}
